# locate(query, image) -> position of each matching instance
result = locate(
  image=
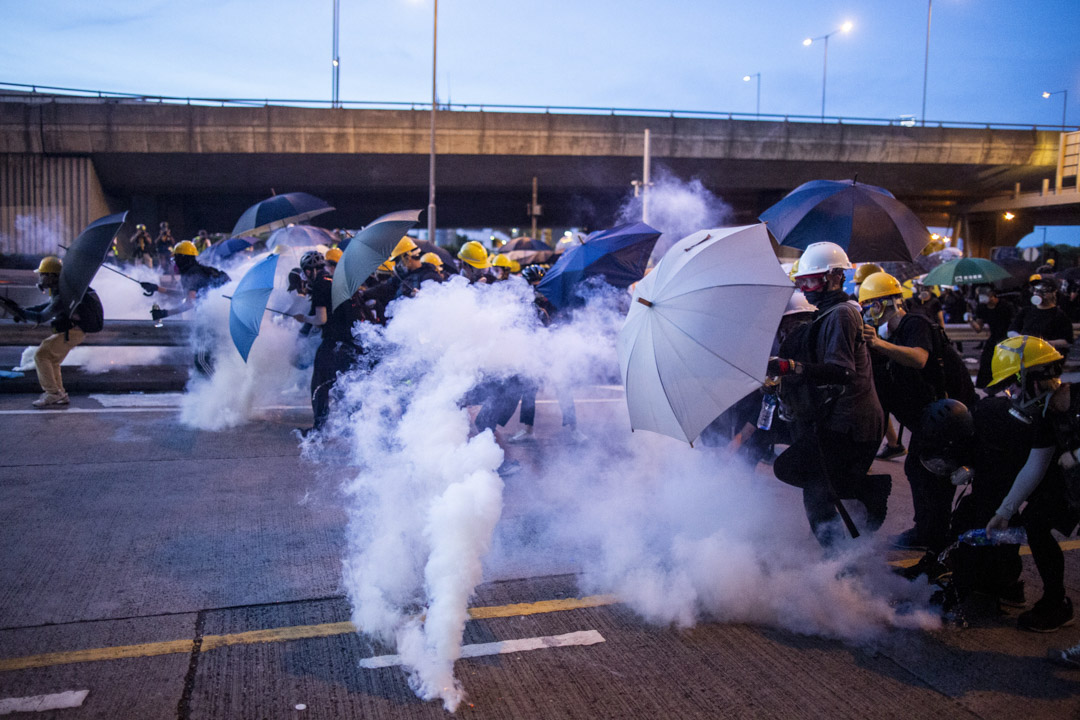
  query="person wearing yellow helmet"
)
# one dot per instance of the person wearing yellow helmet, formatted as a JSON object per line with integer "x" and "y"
{"x": 411, "y": 271}
{"x": 405, "y": 245}
{"x": 503, "y": 267}
{"x": 1052, "y": 411}
{"x": 475, "y": 261}
{"x": 142, "y": 246}
{"x": 333, "y": 256}
{"x": 1042, "y": 317}
{"x": 862, "y": 272}
{"x": 433, "y": 259}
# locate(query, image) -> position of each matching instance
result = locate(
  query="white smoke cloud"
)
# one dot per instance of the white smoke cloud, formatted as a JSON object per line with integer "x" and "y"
{"x": 679, "y": 534}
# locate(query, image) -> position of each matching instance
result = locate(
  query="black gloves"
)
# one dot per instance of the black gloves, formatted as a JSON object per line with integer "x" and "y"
{"x": 158, "y": 313}
{"x": 149, "y": 288}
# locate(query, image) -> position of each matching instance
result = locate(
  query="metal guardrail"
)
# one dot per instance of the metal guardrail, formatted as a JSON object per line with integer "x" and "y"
{"x": 119, "y": 333}
{"x": 47, "y": 94}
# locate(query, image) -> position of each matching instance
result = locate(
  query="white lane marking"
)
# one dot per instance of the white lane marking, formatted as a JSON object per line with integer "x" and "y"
{"x": 152, "y": 400}
{"x": 88, "y": 411}
{"x": 40, "y": 703}
{"x": 583, "y": 637}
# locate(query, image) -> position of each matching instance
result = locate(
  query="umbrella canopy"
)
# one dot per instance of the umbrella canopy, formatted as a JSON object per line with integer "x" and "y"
{"x": 448, "y": 260}
{"x": 527, "y": 244}
{"x": 249, "y": 303}
{"x": 83, "y": 258}
{"x": 867, "y": 221}
{"x": 301, "y": 236}
{"x": 699, "y": 330}
{"x": 367, "y": 250}
{"x": 619, "y": 254}
{"x": 225, "y": 249}
{"x": 278, "y": 211}
{"x": 966, "y": 271}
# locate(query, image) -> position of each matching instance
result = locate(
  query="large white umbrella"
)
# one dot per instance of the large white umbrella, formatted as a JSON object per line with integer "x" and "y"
{"x": 699, "y": 330}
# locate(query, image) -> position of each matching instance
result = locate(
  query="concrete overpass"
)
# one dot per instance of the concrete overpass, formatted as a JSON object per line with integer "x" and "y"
{"x": 199, "y": 166}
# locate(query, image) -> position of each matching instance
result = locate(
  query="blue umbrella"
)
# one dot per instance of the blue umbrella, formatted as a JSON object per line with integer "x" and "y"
{"x": 225, "y": 249}
{"x": 620, "y": 255}
{"x": 249, "y": 303}
{"x": 367, "y": 250}
{"x": 301, "y": 236}
{"x": 279, "y": 211}
{"x": 867, "y": 221}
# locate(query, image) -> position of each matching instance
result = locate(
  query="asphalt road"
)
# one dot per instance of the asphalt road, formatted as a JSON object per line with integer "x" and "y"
{"x": 174, "y": 573}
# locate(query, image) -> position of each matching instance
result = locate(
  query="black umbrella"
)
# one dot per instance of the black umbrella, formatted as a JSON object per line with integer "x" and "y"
{"x": 83, "y": 258}
{"x": 523, "y": 243}
{"x": 278, "y": 211}
{"x": 429, "y": 247}
{"x": 867, "y": 221}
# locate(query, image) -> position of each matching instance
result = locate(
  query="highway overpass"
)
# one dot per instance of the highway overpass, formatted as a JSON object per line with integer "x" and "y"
{"x": 201, "y": 166}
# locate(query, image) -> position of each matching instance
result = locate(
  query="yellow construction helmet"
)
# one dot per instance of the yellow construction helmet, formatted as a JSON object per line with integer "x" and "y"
{"x": 431, "y": 259}
{"x": 1018, "y": 355}
{"x": 474, "y": 254}
{"x": 404, "y": 245}
{"x": 333, "y": 255}
{"x": 866, "y": 270}
{"x": 185, "y": 247}
{"x": 879, "y": 285}
{"x": 503, "y": 261}
{"x": 50, "y": 264}
{"x": 794, "y": 269}
{"x": 387, "y": 266}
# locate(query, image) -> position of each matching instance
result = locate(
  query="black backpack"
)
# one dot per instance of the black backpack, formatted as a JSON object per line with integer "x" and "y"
{"x": 801, "y": 400}
{"x": 91, "y": 313}
{"x": 945, "y": 369}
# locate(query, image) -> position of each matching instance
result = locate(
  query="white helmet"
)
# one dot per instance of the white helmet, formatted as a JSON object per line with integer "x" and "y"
{"x": 821, "y": 257}
{"x": 798, "y": 304}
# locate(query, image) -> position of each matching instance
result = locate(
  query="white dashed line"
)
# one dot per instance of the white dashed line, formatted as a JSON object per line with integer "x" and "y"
{"x": 40, "y": 703}
{"x": 584, "y": 637}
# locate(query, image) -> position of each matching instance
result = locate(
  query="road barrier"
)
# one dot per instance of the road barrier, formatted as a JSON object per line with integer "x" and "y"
{"x": 132, "y": 333}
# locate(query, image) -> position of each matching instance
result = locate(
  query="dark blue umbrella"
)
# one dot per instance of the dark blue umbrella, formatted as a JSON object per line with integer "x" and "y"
{"x": 84, "y": 257}
{"x": 620, "y": 255}
{"x": 248, "y": 304}
{"x": 524, "y": 243}
{"x": 867, "y": 221}
{"x": 278, "y": 211}
{"x": 219, "y": 252}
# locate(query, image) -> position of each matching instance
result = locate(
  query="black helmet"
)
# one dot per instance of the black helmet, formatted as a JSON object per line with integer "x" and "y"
{"x": 946, "y": 433}
{"x": 533, "y": 273}
{"x": 311, "y": 260}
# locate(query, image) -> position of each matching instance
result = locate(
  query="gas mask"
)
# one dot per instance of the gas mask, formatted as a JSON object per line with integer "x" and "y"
{"x": 1033, "y": 400}
{"x": 1042, "y": 295}
{"x": 48, "y": 283}
{"x": 984, "y": 299}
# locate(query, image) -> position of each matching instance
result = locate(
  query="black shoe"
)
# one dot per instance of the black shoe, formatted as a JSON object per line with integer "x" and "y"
{"x": 1013, "y": 595}
{"x": 909, "y": 540}
{"x": 1046, "y": 617}
{"x": 875, "y": 496}
{"x": 929, "y": 566}
{"x": 891, "y": 451}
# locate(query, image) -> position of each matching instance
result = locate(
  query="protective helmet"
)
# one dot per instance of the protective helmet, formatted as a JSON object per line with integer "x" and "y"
{"x": 474, "y": 254}
{"x": 505, "y": 262}
{"x": 798, "y": 304}
{"x": 50, "y": 264}
{"x": 311, "y": 260}
{"x": 404, "y": 245}
{"x": 794, "y": 269}
{"x": 387, "y": 266}
{"x": 866, "y": 270}
{"x": 533, "y": 273}
{"x": 333, "y": 255}
{"x": 432, "y": 259}
{"x": 821, "y": 257}
{"x": 140, "y": 227}
{"x": 1018, "y": 356}
{"x": 879, "y": 285}
{"x": 947, "y": 430}
{"x": 185, "y": 247}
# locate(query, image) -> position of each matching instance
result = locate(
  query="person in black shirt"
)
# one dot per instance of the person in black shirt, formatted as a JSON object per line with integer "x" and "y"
{"x": 925, "y": 303}
{"x": 996, "y": 315}
{"x": 1043, "y": 318}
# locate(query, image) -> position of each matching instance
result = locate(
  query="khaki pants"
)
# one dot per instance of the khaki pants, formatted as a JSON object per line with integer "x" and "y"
{"x": 50, "y": 354}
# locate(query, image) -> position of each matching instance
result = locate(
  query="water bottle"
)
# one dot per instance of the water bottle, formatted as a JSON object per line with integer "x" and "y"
{"x": 1008, "y": 536}
{"x": 157, "y": 323}
{"x": 768, "y": 409}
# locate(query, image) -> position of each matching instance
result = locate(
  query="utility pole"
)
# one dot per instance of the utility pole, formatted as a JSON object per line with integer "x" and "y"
{"x": 641, "y": 188}
{"x": 534, "y": 209}
{"x": 335, "y": 61}
{"x": 431, "y": 168}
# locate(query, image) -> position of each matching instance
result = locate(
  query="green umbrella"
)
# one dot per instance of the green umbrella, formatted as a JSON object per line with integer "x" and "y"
{"x": 966, "y": 271}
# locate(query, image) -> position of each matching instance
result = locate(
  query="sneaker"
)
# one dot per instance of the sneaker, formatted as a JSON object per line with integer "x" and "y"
{"x": 909, "y": 540}
{"x": 521, "y": 436}
{"x": 305, "y": 433}
{"x": 574, "y": 435}
{"x": 875, "y": 496}
{"x": 1013, "y": 595}
{"x": 48, "y": 400}
{"x": 1069, "y": 657}
{"x": 892, "y": 451}
{"x": 1045, "y": 617}
{"x": 508, "y": 468}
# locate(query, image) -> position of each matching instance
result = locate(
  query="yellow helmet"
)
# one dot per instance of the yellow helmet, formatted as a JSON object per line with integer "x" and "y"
{"x": 794, "y": 269}
{"x": 387, "y": 266}
{"x": 502, "y": 261}
{"x": 185, "y": 247}
{"x": 1017, "y": 355}
{"x": 879, "y": 285}
{"x": 866, "y": 270}
{"x": 50, "y": 264}
{"x": 333, "y": 255}
{"x": 431, "y": 259}
{"x": 404, "y": 245}
{"x": 474, "y": 254}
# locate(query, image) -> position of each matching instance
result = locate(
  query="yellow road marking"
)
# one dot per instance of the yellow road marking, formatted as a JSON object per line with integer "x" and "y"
{"x": 296, "y": 632}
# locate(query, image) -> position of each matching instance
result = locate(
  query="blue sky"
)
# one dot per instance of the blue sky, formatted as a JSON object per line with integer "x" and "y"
{"x": 990, "y": 60}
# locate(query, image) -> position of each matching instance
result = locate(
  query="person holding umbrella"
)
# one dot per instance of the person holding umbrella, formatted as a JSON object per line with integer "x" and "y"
{"x": 69, "y": 329}
{"x": 841, "y": 422}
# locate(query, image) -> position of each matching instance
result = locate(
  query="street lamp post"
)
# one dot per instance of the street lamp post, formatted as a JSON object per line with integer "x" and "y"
{"x": 431, "y": 165}
{"x": 335, "y": 61}
{"x": 1064, "y": 103}
{"x": 746, "y": 78}
{"x": 846, "y": 27}
{"x": 926, "y": 60}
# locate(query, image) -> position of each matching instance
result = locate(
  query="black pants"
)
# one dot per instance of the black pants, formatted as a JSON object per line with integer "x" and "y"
{"x": 1047, "y": 510}
{"x": 932, "y": 497}
{"x": 528, "y": 404}
{"x": 330, "y": 359}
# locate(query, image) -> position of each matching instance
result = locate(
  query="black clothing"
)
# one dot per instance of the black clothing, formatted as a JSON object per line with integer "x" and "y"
{"x": 200, "y": 279}
{"x": 338, "y": 351}
{"x": 997, "y": 319}
{"x": 409, "y": 284}
{"x": 1049, "y": 325}
{"x": 930, "y": 308}
{"x": 906, "y": 391}
{"x": 954, "y": 306}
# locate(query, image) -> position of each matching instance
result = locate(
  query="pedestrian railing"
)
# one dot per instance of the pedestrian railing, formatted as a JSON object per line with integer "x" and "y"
{"x": 131, "y": 333}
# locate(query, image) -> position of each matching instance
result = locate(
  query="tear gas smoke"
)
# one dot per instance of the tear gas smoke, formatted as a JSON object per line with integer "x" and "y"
{"x": 677, "y": 209}
{"x": 35, "y": 235}
{"x": 678, "y": 534}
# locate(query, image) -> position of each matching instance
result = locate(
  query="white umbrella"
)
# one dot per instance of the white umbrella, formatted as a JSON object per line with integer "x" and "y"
{"x": 699, "y": 330}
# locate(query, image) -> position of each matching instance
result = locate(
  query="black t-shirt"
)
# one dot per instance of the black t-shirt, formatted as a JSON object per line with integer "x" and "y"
{"x": 412, "y": 280}
{"x": 200, "y": 278}
{"x": 906, "y": 391}
{"x": 1050, "y": 324}
{"x": 339, "y": 322}
{"x": 930, "y": 308}
{"x": 996, "y": 318}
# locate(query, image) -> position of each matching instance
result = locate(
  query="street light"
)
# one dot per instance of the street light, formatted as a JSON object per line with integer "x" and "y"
{"x": 846, "y": 27}
{"x": 926, "y": 60}
{"x": 746, "y": 78}
{"x": 431, "y": 168}
{"x": 1064, "y": 103}
{"x": 335, "y": 61}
